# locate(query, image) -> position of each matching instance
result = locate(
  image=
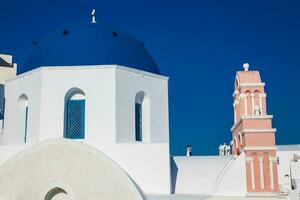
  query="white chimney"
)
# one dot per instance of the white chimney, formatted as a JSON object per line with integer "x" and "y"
{"x": 188, "y": 150}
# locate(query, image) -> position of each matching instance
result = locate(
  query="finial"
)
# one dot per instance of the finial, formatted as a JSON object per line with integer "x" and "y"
{"x": 93, "y": 16}
{"x": 246, "y": 66}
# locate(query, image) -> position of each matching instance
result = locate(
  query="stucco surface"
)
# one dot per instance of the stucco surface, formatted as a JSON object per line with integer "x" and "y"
{"x": 197, "y": 175}
{"x": 109, "y": 116}
{"x": 80, "y": 170}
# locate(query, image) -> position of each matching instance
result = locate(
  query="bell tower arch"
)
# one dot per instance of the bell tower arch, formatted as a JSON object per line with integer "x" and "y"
{"x": 253, "y": 134}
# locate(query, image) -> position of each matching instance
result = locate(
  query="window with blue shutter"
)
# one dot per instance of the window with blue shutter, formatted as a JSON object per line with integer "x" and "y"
{"x": 26, "y": 122}
{"x": 138, "y": 122}
{"x": 75, "y": 119}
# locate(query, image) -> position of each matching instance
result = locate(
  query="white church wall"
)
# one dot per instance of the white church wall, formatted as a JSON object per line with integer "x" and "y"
{"x": 147, "y": 163}
{"x": 14, "y": 123}
{"x": 197, "y": 174}
{"x": 285, "y": 154}
{"x": 232, "y": 180}
{"x": 155, "y": 87}
{"x": 295, "y": 170}
{"x": 98, "y": 85}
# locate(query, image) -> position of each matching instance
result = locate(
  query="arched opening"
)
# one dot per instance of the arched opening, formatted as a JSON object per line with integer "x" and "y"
{"x": 142, "y": 117}
{"x": 74, "y": 114}
{"x": 257, "y": 110}
{"x": 236, "y": 83}
{"x": 257, "y": 103}
{"x": 23, "y": 108}
{"x": 267, "y": 172}
{"x": 241, "y": 140}
{"x": 248, "y": 101}
{"x": 256, "y": 173}
{"x": 235, "y": 146}
{"x": 56, "y": 194}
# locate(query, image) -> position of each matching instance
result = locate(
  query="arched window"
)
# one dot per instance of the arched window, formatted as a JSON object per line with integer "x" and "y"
{"x": 257, "y": 103}
{"x": 74, "y": 115}
{"x": 268, "y": 169}
{"x": 142, "y": 117}
{"x": 23, "y": 116}
{"x": 56, "y": 193}
{"x": 248, "y": 102}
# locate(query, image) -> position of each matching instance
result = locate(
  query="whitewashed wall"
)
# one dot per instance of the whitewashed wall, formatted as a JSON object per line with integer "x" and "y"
{"x": 285, "y": 153}
{"x": 232, "y": 180}
{"x": 30, "y": 85}
{"x": 109, "y": 126}
{"x": 197, "y": 174}
{"x": 128, "y": 84}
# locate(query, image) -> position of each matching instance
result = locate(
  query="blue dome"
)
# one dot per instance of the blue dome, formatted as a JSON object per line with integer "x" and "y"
{"x": 89, "y": 44}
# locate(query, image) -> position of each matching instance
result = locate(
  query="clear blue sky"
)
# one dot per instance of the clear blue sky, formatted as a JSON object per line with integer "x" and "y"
{"x": 199, "y": 45}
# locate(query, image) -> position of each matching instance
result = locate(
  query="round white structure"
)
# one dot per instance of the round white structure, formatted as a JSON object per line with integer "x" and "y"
{"x": 62, "y": 169}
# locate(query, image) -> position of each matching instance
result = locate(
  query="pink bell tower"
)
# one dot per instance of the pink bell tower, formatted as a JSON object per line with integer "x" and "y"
{"x": 253, "y": 134}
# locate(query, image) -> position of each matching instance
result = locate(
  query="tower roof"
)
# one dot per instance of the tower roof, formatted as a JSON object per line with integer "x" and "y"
{"x": 248, "y": 77}
{"x": 89, "y": 44}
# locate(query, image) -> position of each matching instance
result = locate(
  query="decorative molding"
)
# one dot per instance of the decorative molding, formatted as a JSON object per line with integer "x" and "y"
{"x": 263, "y": 95}
{"x": 260, "y": 148}
{"x": 261, "y": 172}
{"x": 259, "y": 130}
{"x": 252, "y": 175}
{"x": 271, "y": 166}
{"x": 251, "y": 84}
{"x": 243, "y": 95}
{"x": 258, "y": 117}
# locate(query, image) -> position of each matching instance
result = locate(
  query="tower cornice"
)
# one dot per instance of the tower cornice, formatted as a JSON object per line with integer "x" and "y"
{"x": 251, "y": 85}
{"x": 250, "y": 118}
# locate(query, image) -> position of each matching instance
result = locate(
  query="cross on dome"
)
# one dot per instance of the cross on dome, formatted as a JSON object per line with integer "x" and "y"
{"x": 93, "y": 14}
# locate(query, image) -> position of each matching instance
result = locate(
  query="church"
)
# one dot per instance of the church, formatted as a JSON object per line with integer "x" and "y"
{"x": 94, "y": 124}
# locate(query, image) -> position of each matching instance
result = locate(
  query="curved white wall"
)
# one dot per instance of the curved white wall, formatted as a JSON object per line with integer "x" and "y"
{"x": 197, "y": 174}
{"x": 83, "y": 172}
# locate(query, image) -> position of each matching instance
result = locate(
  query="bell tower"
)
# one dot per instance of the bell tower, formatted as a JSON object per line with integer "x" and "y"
{"x": 252, "y": 133}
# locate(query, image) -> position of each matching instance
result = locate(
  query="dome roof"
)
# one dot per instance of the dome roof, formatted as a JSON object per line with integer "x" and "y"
{"x": 89, "y": 44}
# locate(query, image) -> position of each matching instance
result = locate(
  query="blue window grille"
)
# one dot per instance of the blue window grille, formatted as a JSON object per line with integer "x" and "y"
{"x": 26, "y": 122}
{"x": 75, "y": 119}
{"x": 138, "y": 122}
